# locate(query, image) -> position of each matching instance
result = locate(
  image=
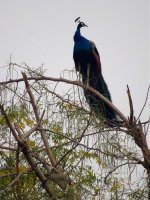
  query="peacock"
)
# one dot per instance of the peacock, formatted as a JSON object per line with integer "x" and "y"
{"x": 88, "y": 64}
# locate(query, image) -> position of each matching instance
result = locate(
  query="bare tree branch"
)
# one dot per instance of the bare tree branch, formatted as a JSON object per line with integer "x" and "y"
{"x": 144, "y": 103}
{"x": 27, "y": 153}
{"x": 78, "y": 83}
{"x": 131, "y": 106}
{"x": 27, "y": 134}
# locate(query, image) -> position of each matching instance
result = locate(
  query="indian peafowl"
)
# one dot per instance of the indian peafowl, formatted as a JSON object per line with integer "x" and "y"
{"x": 87, "y": 62}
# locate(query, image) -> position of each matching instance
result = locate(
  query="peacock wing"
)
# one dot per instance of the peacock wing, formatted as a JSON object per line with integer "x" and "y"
{"x": 96, "y": 56}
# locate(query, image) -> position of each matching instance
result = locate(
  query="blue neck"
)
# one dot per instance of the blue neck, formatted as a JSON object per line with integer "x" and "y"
{"x": 77, "y": 34}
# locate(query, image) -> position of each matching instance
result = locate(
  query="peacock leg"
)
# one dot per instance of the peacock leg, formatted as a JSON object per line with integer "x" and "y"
{"x": 88, "y": 74}
{"x": 78, "y": 74}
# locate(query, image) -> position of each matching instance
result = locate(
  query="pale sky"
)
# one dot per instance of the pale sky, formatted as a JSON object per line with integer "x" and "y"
{"x": 41, "y": 31}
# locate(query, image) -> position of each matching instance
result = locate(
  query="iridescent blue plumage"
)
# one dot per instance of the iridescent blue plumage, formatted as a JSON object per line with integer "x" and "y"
{"x": 87, "y": 62}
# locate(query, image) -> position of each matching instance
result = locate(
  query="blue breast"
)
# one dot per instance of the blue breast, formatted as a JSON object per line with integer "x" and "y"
{"x": 82, "y": 45}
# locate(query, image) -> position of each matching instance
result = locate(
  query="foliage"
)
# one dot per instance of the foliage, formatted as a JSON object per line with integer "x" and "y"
{"x": 78, "y": 155}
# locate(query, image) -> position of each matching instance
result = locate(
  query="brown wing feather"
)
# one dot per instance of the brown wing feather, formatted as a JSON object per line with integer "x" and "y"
{"x": 96, "y": 56}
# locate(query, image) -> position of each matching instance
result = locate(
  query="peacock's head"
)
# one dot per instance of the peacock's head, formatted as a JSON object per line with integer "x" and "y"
{"x": 80, "y": 24}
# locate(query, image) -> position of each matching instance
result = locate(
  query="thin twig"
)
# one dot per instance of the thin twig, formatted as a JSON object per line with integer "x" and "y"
{"x": 144, "y": 103}
{"x": 110, "y": 172}
{"x": 27, "y": 134}
{"x": 15, "y": 180}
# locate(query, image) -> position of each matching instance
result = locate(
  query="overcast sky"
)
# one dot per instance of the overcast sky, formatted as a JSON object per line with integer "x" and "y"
{"x": 41, "y": 31}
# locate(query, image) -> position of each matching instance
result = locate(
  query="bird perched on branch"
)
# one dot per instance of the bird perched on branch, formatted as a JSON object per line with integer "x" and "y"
{"x": 88, "y": 64}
